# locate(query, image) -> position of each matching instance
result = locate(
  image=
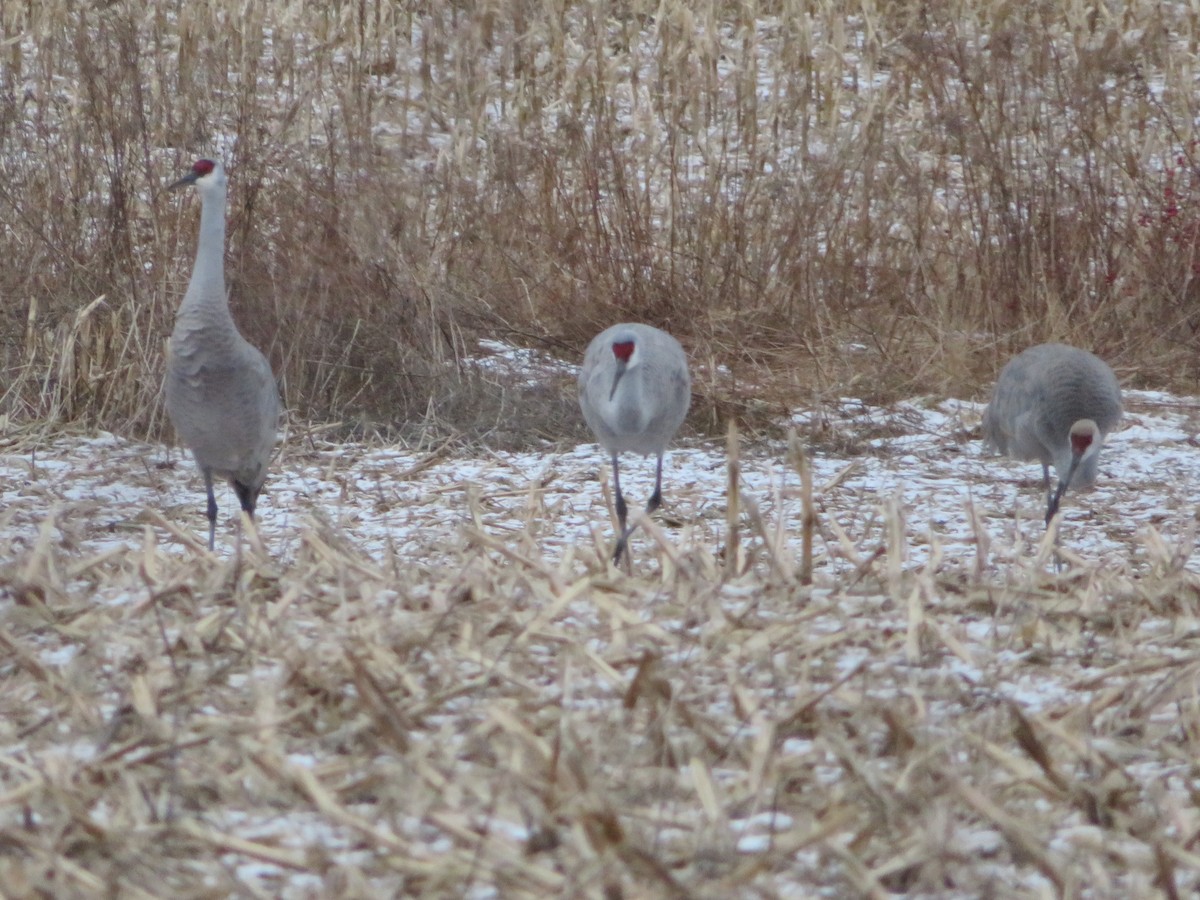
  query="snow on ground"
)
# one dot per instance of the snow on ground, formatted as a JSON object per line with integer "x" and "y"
{"x": 964, "y": 513}
{"x": 923, "y": 456}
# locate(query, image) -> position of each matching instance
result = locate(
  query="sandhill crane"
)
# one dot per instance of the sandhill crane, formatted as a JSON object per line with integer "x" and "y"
{"x": 1056, "y": 404}
{"x": 221, "y": 395}
{"x": 634, "y": 390}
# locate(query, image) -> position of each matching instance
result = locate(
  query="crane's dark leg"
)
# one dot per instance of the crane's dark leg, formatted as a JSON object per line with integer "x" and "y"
{"x": 1053, "y": 500}
{"x": 654, "y": 503}
{"x": 1051, "y": 503}
{"x": 622, "y": 512}
{"x": 247, "y": 496}
{"x": 656, "y": 497}
{"x": 212, "y": 508}
{"x": 622, "y": 509}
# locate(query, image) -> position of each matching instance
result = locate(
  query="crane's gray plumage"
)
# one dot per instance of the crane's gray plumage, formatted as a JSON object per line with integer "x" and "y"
{"x": 634, "y": 390}
{"x": 221, "y": 395}
{"x": 1055, "y": 404}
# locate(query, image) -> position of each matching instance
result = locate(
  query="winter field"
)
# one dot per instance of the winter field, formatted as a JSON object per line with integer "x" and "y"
{"x": 423, "y": 676}
{"x": 419, "y": 674}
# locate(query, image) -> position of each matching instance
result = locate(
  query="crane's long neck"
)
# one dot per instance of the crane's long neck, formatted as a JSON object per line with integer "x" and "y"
{"x": 205, "y": 304}
{"x": 628, "y": 401}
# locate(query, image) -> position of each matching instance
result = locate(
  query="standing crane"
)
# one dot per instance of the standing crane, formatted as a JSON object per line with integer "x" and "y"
{"x": 634, "y": 390}
{"x": 221, "y": 395}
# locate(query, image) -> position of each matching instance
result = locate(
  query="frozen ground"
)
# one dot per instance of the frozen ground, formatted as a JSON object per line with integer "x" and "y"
{"x": 924, "y": 456}
{"x": 794, "y": 718}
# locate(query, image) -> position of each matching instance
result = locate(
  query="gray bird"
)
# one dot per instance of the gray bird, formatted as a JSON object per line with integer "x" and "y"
{"x": 634, "y": 390}
{"x": 221, "y": 395}
{"x": 1055, "y": 404}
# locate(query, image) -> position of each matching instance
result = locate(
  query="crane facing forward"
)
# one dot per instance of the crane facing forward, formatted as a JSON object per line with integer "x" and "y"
{"x": 634, "y": 390}
{"x": 1055, "y": 404}
{"x": 221, "y": 395}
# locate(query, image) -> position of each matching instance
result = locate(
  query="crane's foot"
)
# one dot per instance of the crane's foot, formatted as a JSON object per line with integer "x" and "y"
{"x": 622, "y": 543}
{"x": 654, "y": 503}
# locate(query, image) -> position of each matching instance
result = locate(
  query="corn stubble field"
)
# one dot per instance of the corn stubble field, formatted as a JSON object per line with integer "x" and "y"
{"x": 822, "y": 201}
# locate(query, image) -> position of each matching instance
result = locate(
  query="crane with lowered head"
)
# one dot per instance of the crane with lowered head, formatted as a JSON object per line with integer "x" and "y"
{"x": 1055, "y": 404}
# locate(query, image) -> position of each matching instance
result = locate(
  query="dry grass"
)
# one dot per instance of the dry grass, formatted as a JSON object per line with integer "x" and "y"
{"x": 830, "y": 199}
{"x": 495, "y": 711}
{"x": 935, "y": 185}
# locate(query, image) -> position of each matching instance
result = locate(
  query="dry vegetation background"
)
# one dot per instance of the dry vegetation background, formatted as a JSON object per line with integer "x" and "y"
{"x": 827, "y": 197}
{"x": 820, "y": 199}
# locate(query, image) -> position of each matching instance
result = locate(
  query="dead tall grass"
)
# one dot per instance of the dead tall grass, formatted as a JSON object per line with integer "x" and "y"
{"x": 874, "y": 198}
{"x": 521, "y": 724}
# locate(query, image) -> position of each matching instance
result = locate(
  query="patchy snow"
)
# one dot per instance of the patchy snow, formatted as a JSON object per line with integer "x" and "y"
{"x": 908, "y": 484}
{"x": 961, "y": 506}
{"x": 911, "y": 487}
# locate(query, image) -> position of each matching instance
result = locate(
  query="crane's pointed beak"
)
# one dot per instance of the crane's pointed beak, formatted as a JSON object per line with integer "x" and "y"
{"x": 616, "y": 380}
{"x": 1063, "y": 484}
{"x": 1082, "y": 439}
{"x": 189, "y": 178}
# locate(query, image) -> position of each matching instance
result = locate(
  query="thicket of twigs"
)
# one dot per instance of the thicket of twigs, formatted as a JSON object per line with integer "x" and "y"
{"x": 873, "y": 198}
